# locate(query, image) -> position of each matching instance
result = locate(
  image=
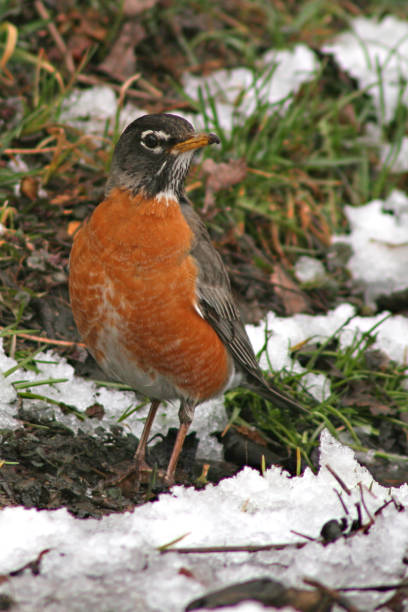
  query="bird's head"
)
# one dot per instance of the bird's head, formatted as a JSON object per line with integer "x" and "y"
{"x": 154, "y": 153}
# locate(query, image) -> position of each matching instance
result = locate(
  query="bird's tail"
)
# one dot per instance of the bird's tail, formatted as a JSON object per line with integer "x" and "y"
{"x": 270, "y": 393}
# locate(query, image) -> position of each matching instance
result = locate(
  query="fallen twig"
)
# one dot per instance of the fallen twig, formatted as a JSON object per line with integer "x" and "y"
{"x": 45, "y": 340}
{"x": 232, "y": 549}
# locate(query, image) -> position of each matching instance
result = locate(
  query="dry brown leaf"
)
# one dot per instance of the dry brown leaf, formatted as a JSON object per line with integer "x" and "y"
{"x": 271, "y": 593}
{"x": 293, "y": 299}
{"x": 121, "y": 61}
{"x": 222, "y": 176}
{"x": 29, "y": 187}
{"x": 96, "y": 411}
{"x": 61, "y": 199}
{"x": 251, "y": 434}
{"x": 79, "y": 30}
{"x": 364, "y": 400}
{"x": 131, "y": 8}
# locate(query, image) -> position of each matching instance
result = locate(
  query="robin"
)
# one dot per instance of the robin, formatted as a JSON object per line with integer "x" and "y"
{"x": 150, "y": 294}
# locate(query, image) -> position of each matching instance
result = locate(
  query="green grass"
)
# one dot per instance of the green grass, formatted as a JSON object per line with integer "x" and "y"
{"x": 360, "y": 399}
{"x": 304, "y": 166}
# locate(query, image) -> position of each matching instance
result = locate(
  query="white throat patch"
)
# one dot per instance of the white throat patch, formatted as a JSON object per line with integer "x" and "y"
{"x": 167, "y": 196}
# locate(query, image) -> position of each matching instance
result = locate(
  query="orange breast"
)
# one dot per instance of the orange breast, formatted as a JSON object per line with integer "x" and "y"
{"x": 131, "y": 273}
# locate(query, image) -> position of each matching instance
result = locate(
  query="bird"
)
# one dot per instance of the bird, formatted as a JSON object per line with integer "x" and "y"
{"x": 150, "y": 294}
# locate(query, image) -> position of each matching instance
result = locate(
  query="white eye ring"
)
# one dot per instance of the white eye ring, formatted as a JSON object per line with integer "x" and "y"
{"x": 154, "y": 140}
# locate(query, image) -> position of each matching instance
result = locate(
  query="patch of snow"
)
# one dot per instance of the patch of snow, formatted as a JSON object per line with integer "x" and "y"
{"x": 379, "y": 239}
{"x": 396, "y": 157}
{"x": 393, "y": 155}
{"x": 115, "y": 564}
{"x": 376, "y": 54}
{"x": 310, "y": 270}
{"x": 238, "y": 92}
{"x": 284, "y": 332}
{"x": 91, "y": 109}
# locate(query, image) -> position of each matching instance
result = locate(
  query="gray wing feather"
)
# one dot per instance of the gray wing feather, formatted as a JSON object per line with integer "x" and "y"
{"x": 215, "y": 298}
{"x": 218, "y": 307}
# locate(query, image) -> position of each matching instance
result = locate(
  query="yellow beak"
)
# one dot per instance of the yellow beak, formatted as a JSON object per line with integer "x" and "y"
{"x": 196, "y": 141}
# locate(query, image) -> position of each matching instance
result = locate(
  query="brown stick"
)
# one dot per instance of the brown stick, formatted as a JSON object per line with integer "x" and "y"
{"x": 45, "y": 340}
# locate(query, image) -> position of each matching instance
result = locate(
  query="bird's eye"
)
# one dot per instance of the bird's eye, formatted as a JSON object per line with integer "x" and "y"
{"x": 151, "y": 141}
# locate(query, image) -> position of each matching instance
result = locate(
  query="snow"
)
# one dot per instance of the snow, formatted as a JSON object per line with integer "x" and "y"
{"x": 310, "y": 270}
{"x": 239, "y": 91}
{"x": 93, "y": 109}
{"x": 395, "y": 155}
{"x": 117, "y": 558}
{"x": 376, "y": 54}
{"x": 391, "y": 336}
{"x": 379, "y": 232}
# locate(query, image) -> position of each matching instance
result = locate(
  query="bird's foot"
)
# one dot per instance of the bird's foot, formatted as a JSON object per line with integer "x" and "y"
{"x": 130, "y": 478}
{"x": 140, "y": 473}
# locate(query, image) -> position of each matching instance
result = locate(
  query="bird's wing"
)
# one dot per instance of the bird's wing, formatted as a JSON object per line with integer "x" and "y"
{"x": 215, "y": 299}
{"x": 218, "y": 307}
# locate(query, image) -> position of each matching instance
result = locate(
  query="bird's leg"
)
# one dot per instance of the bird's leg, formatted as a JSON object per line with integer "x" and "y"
{"x": 178, "y": 445}
{"x": 139, "y": 457}
{"x": 129, "y": 480}
{"x": 186, "y": 414}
